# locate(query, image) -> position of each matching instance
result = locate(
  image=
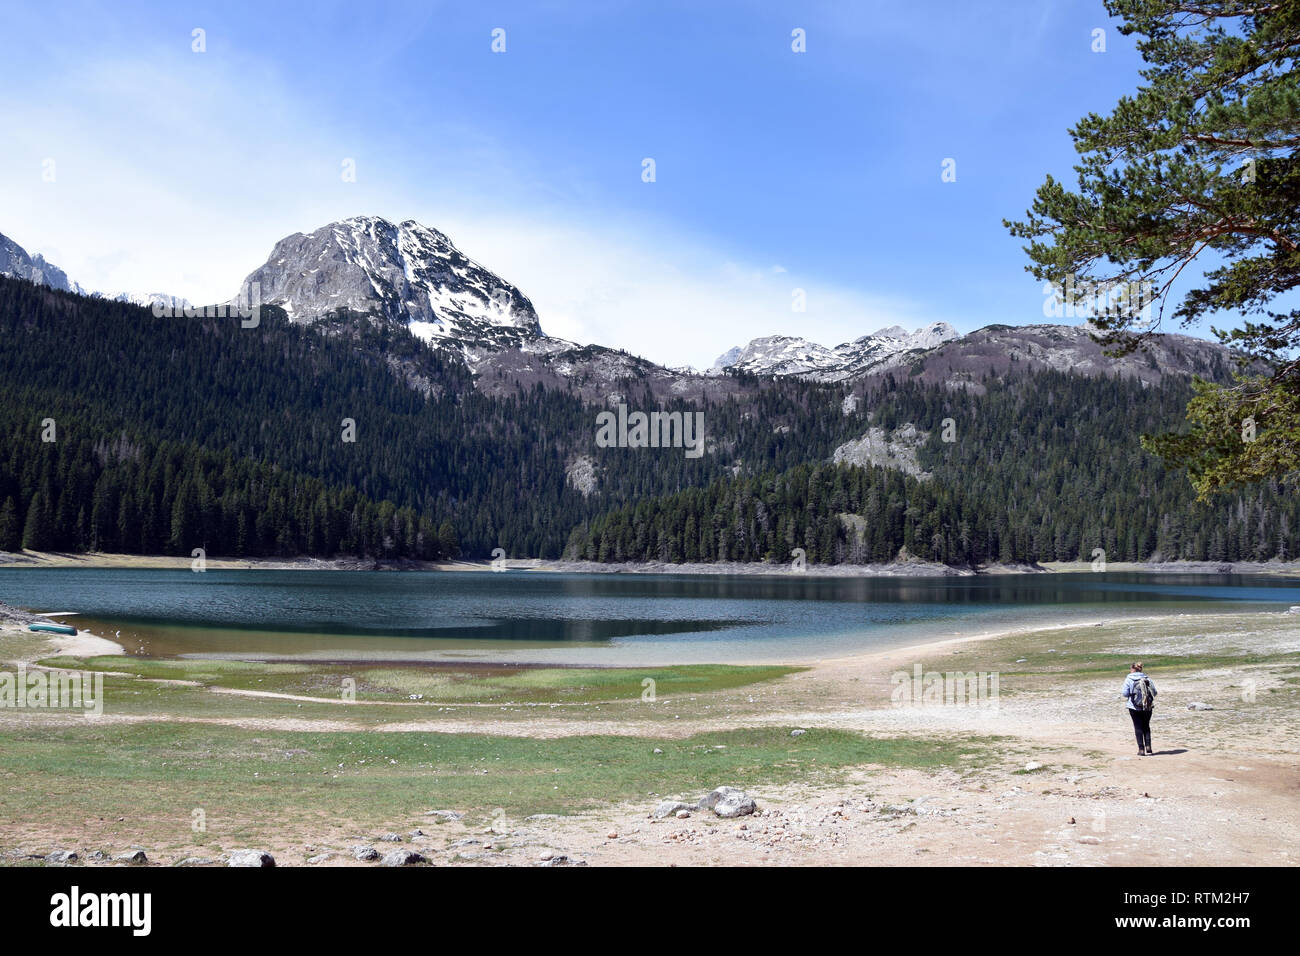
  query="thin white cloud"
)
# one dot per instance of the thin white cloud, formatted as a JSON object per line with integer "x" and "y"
{"x": 686, "y": 307}
{"x": 179, "y": 174}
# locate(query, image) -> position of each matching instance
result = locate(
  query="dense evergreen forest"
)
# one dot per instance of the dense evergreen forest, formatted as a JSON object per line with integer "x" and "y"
{"x": 1044, "y": 467}
{"x": 138, "y": 400}
{"x": 127, "y": 432}
{"x": 103, "y": 495}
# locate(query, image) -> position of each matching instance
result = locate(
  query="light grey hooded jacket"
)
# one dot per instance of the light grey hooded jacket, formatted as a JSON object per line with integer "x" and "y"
{"x": 1131, "y": 692}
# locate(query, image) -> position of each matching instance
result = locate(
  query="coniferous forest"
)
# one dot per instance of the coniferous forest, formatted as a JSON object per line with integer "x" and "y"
{"x": 231, "y": 421}
{"x": 125, "y": 432}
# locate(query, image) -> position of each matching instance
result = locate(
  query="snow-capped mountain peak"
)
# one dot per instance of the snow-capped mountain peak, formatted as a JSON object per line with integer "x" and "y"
{"x": 779, "y": 355}
{"x": 407, "y": 272}
{"x": 892, "y": 332}
{"x": 15, "y": 262}
{"x": 172, "y": 303}
{"x": 787, "y": 355}
{"x": 726, "y": 359}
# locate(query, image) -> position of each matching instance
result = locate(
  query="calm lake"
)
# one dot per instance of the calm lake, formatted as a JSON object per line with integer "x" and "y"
{"x": 591, "y": 618}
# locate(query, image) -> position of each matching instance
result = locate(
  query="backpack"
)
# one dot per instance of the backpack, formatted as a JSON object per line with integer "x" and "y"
{"x": 1141, "y": 695}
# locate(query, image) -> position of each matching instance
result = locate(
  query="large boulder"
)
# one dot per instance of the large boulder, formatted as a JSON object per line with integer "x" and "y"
{"x": 668, "y": 808}
{"x": 728, "y": 802}
{"x": 250, "y": 858}
{"x": 403, "y": 858}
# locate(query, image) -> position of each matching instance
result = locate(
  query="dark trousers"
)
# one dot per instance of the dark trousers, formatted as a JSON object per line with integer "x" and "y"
{"x": 1142, "y": 727}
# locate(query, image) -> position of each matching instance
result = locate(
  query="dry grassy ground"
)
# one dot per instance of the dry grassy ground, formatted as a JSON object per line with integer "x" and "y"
{"x": 1047, "y": 776}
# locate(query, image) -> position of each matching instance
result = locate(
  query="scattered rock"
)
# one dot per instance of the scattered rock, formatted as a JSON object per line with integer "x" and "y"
{"x": 132, "y": 856}
{"x": 1091, "y": 840}
{"x": 683, "y": 814}
{"x": 13, "y": 615}
{"x": 727, "y": 802}
{"x": 797, "y": 733}
{"x": 668, "y": 808}
{"x": 194, "y": 861}
{"x": 658, "y": 751}
{"x": 1071, "y": 820}
{"x": 391, "y": 838}
{"x": 403, "y": 858}
{"x": 1033, "y": 765}
{"x": 365, "y": 854}
{"x": 1294, "y": 609}
{"x": 560, "y": 859}
{"x": 611, "y": 835}
{"x": 447, "y": 815}
{"x": 62, "y": 856}
{"x": 250, "y": 858}
{"x": 319, "y": 858}
{"x": 1198, "y": 705}
{"x": 546, "y": 855}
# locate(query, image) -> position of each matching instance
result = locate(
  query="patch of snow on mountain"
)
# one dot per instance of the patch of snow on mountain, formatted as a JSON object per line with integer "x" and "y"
{"x": 787, "y": 355}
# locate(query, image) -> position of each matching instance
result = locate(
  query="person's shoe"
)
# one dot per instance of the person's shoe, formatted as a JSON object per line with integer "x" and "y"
{"x": 1142, "y": 753}
{"x": 1150, "y": 753}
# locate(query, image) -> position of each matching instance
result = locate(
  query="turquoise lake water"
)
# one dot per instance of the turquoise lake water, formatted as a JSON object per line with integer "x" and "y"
{"x": 592, "y": 618}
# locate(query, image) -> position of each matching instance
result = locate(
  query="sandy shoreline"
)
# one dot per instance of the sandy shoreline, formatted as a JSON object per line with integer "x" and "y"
{"x": 910, "y": 568}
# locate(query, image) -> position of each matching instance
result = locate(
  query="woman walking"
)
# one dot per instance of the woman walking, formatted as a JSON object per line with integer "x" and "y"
{"x": 1141, "y": 696}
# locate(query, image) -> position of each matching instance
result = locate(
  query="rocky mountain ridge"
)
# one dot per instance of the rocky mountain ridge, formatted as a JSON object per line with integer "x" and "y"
{"x": 413, "y": 276}
{"x": 791, "y": 355}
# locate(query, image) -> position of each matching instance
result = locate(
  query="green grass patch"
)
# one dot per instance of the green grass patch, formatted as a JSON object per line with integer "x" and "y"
{"x": 439, "y": 684}
{"x": 559, "y": 685}
{"x": 156, "y": 775}
{"x": 1086, "y": 662}
{"x": 1018, "y": 677}
{"x": 22, "y": 646}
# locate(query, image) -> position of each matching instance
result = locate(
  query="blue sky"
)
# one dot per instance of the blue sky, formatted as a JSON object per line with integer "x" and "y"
{"x": 177, "y": 171}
